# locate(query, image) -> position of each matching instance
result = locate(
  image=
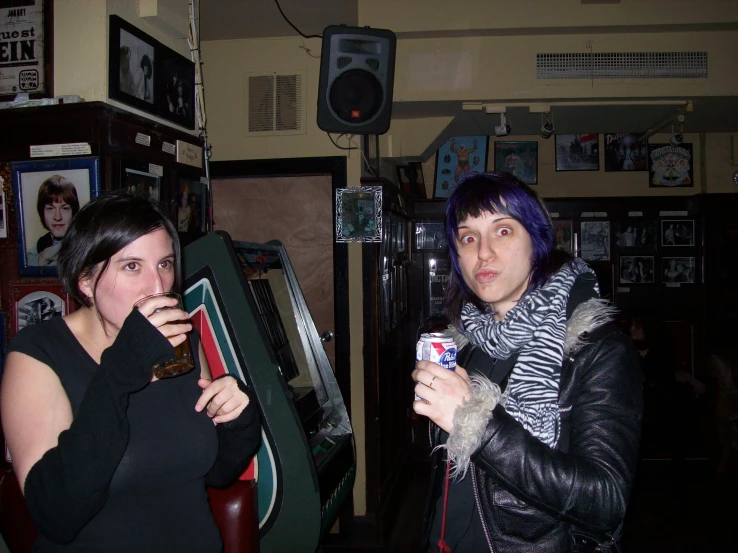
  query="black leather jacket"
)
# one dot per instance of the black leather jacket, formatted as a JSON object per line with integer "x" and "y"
{"x": 534, "y": 497}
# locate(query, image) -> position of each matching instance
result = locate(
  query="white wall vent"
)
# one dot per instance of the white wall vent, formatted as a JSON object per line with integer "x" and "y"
{"x": 622, "y": 65}
{"x": 275, "y": 103}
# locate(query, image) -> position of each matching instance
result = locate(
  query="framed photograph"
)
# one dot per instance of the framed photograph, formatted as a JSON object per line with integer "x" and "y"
{"x": 141, "y": 182}
{"x": 430, "y": 235}
{"x": 359, "y": 214}
{"x": 678, "y": 269}
{"x": 410, "y": 179}
{"x": 670, "y": 166}
{"x": 458, "y": 157}
{"x": 636, "y": 232}
{"x": 3, "y": 212}
{"x": 36, "y": 300}
{"x": 563, "y": 235}
{"x": 578, "y": 152}
{"x": 49, "y": 193}
{"x": 595, "y": 240}
{"x": 191, "y": 206}
{"x": 677, "y": 232}
{"x": 175, "y": 88}
{"x": 637, "y": 269}
{"x": 132, "y": 65}
{"x": 518, "y": 158}
{"x": 26, "y": 62}
{"x": 624, "y": 152}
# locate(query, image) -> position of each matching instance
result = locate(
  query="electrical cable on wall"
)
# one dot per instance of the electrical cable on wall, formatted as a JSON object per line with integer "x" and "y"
{"x": 193, "y": 40}
{"x": 291, "y": 25}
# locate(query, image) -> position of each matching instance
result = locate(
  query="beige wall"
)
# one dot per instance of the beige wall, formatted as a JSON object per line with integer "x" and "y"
{"x": 81, "y": 43}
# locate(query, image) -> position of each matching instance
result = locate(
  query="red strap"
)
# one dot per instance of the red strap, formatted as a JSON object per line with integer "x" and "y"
{"x": 442, "y": 545}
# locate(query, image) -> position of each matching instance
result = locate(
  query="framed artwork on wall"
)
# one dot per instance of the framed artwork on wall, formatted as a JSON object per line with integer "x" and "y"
{"x": 577, "y": 152}
{"x": 624, "y": 152}
{"x": 132, "y": 65}
{"x": 49, "y": 194}
{"x": 518, "y": 158}
{"x": 678, "y": 269}
{"x": 175, "y": 88}
{"x": 141, "y": 182}
{"x": 36, "y": 300}
{"x": 192, "y": 206}
{"x": 3, "y": 212}
{"x": 26, "y": 62}
{"x": 458, "y": 157}
{"x": 637, "y": 269}
{"x": 359, "y": 214}
{"x": 636, "y": 232}
{"x": 411, "y": 181}
{"x": 670, "y": 166}
{"x": 563, "y": 235}
{"x": 677, "y": 232}
{"x": 595, "y": 240}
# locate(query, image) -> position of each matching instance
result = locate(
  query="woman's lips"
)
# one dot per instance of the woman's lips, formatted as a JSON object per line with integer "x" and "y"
{"x": 485, "y": 275}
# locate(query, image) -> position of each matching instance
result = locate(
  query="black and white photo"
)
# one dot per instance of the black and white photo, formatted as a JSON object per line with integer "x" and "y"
{"x": 577, "y": 152}
{"x": 677, "y": 232}
{"x": 624, "y": 152}
{"x": 678, "y": 269}
{"x": 36, "y": 300}
{"x": 636, "y": 232}
{"x": 132, "y": 65}
{"x": 176, "y": 88}
{"x": 141, "y": 182}
{"x": 563, "y": 235}
{"x": 636, "y": 269}
{"x": 595, "y": 240}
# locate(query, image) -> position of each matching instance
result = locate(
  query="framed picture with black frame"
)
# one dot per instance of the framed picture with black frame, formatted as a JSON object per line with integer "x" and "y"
{"x": 132, "y": 65}
{"x": 456, "y": 158}
{"x": 175, "y": 88}
{"x": 577, "y": 152}
{"x": 518, "y": 158}
{"x": 49, "y": 193}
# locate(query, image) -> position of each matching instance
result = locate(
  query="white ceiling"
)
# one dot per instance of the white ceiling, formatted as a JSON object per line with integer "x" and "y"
{"x": 235, "y": 19}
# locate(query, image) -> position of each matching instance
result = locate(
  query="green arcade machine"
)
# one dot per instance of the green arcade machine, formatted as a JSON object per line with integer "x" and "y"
{"x": 245, "y": 301}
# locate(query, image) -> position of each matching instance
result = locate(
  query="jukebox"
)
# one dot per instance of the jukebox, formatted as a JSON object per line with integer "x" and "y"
{"x": 245, "y": 301}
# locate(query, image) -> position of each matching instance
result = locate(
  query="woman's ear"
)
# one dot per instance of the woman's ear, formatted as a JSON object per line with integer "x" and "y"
{"x": 86, "y": 287}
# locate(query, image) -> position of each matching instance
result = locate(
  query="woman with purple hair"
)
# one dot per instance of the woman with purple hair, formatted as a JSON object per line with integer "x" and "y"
{"x": 538, "y": 433}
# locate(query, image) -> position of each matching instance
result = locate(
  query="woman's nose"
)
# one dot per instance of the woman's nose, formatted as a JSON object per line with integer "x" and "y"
{"x": 486, "y": 249}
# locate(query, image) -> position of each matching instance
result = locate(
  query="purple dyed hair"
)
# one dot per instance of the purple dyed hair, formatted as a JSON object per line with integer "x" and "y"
{"x": 504, "y": 194}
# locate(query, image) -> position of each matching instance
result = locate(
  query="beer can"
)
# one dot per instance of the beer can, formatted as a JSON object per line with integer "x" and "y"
{"x": 436, "y": 347}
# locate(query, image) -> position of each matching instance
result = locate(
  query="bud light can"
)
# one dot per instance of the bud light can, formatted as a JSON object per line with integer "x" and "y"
{"x": 436, "y": 347}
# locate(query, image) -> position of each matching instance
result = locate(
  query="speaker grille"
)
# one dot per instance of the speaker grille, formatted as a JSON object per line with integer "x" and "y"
{"x": 343, "y": 61}
{"x": 356, "y": 96}
{"x": 622, "y": 65}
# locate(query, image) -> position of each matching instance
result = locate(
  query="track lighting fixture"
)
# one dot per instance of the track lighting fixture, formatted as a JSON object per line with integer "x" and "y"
{"x": 547, "y": 125}
{"x": 677, "y": 136}
{"x": 504, "y": 128}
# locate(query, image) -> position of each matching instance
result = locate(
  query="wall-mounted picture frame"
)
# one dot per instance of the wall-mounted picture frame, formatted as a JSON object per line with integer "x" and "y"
{"x": 430, "y": 235}
{"x": 141, "y": 182}
{"x": 678, "y": 269}
{"x": 458, "y": 157}
{"x": 636, "y": 232}
{"x": 595, "y": 240}
{"x": 625, "y": 152}
{"x": 563, "y": 234}
{"x": 411, "y": 181}
{"x": 517, "y": 158}
{"x": 192, "y": 206}
{"x": 175, "y": 88}
{"x": 29, "y": 24}
{"x": 670, "y": 166}
{"x": 637, "y": 269}
{"x": 3, "y": 212}
{"x": 577, "y": 152}
{"x": 9, "y": 228}
{"x": 49, "y": 194}
{"x": 359, "y": 214}
{"x": 36, "y": 300}
{"x": 677, "y": 232}
{"x": 132, "y": 65}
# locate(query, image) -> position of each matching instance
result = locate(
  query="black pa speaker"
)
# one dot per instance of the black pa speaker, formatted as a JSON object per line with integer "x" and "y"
{"x": 357, "y": 70}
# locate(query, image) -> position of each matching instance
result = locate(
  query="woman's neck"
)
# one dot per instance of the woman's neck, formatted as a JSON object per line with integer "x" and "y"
{"x": 87, "y": 327}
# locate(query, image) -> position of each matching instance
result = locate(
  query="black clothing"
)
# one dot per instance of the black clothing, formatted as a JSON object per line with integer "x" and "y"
{"x": 530, "y": 494}
{"x": 129, "y": 473}
{"x": 46, "y": 241}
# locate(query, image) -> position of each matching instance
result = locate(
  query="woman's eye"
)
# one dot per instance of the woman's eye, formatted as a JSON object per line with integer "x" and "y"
{"x": 504, "y": 231}
{"x": 132, "y": 266}
{"x": 467, "y": 239}
{"x": 166, "y": 264}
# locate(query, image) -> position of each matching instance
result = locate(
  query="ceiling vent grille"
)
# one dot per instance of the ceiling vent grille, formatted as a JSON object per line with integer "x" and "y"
{"x": 622, "y": 65}
{"x": 275, "y": 104}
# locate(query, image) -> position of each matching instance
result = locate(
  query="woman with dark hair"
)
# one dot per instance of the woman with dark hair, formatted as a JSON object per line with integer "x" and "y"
{"x": 147, "y": 69}
{"x": 541, "y": 426}
{"x": 110, "y": 458}
{"x": 57, "y": 203}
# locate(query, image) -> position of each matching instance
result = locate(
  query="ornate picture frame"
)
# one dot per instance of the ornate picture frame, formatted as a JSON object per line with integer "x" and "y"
{"x": 359, "y": 214}
{"x": 36, "y": 300}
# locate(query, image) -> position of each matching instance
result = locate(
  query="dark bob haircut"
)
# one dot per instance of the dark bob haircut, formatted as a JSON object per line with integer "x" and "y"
{"x": 103, "y": 227}
{"x": 56, "y": 188}
{"x": 503, "y": 194}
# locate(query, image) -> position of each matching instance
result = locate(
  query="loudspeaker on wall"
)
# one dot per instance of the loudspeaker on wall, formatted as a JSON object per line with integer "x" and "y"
{"x": 357, "y": 70}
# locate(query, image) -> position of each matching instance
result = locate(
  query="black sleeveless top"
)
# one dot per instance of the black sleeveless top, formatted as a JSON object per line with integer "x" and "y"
{"x": 157, "y": 500}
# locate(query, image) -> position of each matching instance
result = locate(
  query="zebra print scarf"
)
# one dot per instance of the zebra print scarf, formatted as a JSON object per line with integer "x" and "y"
{"x": 536, "y": 327}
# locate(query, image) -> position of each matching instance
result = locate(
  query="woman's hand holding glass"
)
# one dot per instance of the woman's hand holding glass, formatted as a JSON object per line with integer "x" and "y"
{"x": 163, "y": 312}
{"x": 222, "y": 398}
{"x": 443, "y": 391}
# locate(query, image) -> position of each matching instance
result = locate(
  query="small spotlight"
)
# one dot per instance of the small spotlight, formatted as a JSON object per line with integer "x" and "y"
{"x": 677, "y": 136}
{"x": 504, "y": 128}
{"x": 676, "y": 139}
{"x": 547, "y": 126}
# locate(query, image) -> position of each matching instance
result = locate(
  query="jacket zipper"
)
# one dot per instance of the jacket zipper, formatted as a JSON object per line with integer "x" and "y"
{"x": 479, "y": 508}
